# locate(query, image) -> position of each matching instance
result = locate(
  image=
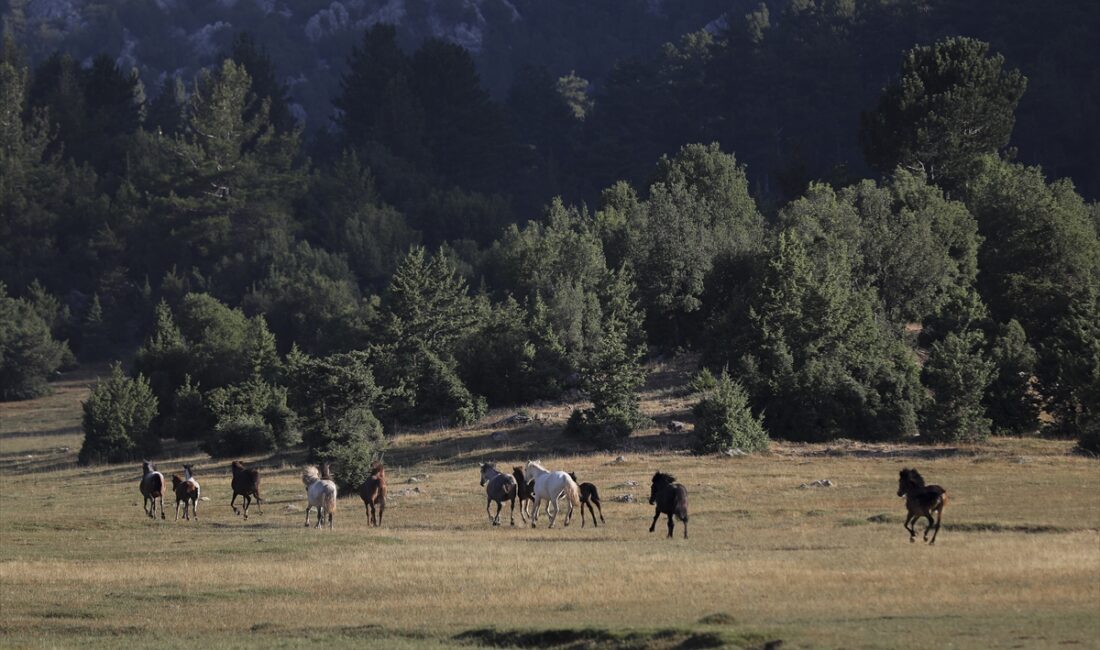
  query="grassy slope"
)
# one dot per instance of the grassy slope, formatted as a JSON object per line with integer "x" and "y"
{"x": 1017, "y": 563}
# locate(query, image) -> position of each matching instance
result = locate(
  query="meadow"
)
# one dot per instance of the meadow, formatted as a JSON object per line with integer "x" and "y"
{"x": 1017, "y": 563}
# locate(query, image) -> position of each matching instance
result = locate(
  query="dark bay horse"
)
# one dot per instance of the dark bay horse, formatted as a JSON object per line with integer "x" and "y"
{"x": 152, "y": 488}
{"x": 589, "y": 495}
{"x": 246, "y": 483}
{"x": 373, "y": 493}
{"x": 499, "y": 487}
{"x": 921, "y": 501}
{"x": 671, "y": 498}
{"x": 525, "y": 491}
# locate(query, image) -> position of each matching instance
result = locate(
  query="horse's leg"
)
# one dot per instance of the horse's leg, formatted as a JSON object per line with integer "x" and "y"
{"x": 177, "y": 510}
{"x": 488, "y": 504}
{"x": 233, "y": 504}
{"x": 307, "y": 515}
{"x": 535, "y": 513}
{"x": 582, "y": 516}
{"x": 258, "y": 502}
{"x": 551, "y": 518}
{"x": 911, "y": 531}
{"x": 512, "y": 512}
{"x": 671, "y": 525}
{"x": 656, "y": 516}
{"x": 931, "y": 522}
{"x": 247, "y": 502}
{"x": 939, "y": 518}
{"x": 600, "y": 508}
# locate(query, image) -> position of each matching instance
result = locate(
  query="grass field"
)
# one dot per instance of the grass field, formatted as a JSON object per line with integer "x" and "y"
{"x": 1017, "y": 563}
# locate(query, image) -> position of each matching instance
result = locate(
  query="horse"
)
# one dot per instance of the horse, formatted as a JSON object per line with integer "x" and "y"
{"x": 525, "y": 491}
{"x": 373, "y": 493}
{"x": 246, "y": 483}
{"x": 671, "y": 498}
{"x": 550, "y": 486}
{"x": 589, "y": 495}
{"x": 321, "y": 493}
{"x": 152, "y": 488}
{"x": 499, "y": 487}
{"x": 921, "y": 501}
{"x": 187, "y": 493}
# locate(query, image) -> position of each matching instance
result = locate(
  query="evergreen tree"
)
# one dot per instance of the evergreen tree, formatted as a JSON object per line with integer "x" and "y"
{"x": 1011, "y": 401}
{"x": 723, "y": 419}
{"x": 953, "y": 104}
{"x": 94, "y": 338}
{"x": 256, "y": 62}
{"x": 117, "y": 415}
{"x": 250, "y": 417}
{"x": 958, "y": 373}
{"x": 28, "y": 353}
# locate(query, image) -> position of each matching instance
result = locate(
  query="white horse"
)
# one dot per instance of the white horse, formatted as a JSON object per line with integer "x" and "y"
{"x": 321, "y": 492}
{"x": 550, "y": 486}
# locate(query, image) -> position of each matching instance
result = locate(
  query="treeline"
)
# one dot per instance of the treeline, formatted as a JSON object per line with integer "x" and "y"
{"x": 277, "y": 299}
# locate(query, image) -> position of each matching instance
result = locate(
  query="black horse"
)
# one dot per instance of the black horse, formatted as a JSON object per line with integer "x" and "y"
{"x": 921, "y": 501}
{"x": 671, "y": 498}
{"x": 589, "y": 495}
{"x": 525, "y": 491}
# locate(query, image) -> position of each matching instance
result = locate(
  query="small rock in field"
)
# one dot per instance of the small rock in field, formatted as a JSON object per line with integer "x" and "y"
{"x": 618, "y": 460}
{"x": 625, "y": 498}
{"x": 734, "y": 451}
{"x": 626, "y": 484}
{"x": 412, "y": 479}
{"x": 499, "y": 437}
{"x": 204, "y": 498}
{"x": 819, "y": 483}
{"x": 675, "y": 425}
{"x": 291, "y": 508}
{"x": 63, "y": 449}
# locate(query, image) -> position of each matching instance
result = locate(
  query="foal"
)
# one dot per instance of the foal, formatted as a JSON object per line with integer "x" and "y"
{"x": 525, "y": 492}
{"x": 589, "y": 495}
{"x": 187, "y": 493}
{"x": 921, "y": 501}
{"x": 373, "y": 492}
{"x": 499, "y": 487}
{"x": 671, "y": 498}
{"x": 246, "y": 483}
{"x": 152, "y": 488}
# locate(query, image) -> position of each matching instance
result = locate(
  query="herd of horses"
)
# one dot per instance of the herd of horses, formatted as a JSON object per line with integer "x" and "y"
{"x": 532, "y": 485}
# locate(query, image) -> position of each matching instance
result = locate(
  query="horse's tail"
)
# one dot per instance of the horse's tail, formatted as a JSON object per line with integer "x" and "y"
{"x": 596, "y": 496}
{"x": 329, "y": 501}
{"x": 574, "y": 493}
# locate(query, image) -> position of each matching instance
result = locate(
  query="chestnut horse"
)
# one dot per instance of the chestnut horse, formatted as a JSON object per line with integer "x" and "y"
{"x": 187, "y": 493}
{"x": 671, "y": 498}
{"x": 589, "y": 495}
{"x": 152, "y": 488}
{"x": 373, "y": 493}
{"x": 921, "y": 501}
{"x": 246, "y": 483}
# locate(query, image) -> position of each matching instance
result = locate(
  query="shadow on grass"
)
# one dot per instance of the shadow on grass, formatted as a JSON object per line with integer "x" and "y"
{"x": 972, "y": 526}
{"x": 584, "y": 638}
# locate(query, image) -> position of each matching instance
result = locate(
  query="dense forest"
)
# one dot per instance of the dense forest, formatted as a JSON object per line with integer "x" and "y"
{"x": 835, "y": 204}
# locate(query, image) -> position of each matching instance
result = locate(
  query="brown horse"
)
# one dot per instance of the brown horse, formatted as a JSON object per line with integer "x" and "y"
{"x": 589, "y": 495}
{"x": 152, "y": 488}
{"x": 525, "y": 491}
{"x": 373, "y": 492}
{"x": 246, "y": 483}
{"x": 921, "y": 501}
{"x": 671, "y": 498}
{"x": 187, "y": 493}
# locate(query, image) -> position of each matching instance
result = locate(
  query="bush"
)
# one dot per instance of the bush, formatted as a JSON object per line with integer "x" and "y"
{"x": 28, "y": 353}
{"x": 352, "y": 445}
{"x": 116, "y": 420}
{"x": 958, "y": 374}
{"x": 724, "y": 419}
{"x": 1090, "y": 442}
{"x": 250, "y": 417}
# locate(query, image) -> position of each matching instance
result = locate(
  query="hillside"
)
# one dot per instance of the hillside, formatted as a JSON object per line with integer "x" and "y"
{"x": 1017, "y": 562}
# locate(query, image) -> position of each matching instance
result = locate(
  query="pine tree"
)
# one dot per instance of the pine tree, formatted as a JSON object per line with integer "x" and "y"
{"x": 1011, "y": 401}
{"x": 117, "y": 415}
{"x": 28, "y": 353}
{"x": 958, "y": 373}
{"x": 723, "y": 419}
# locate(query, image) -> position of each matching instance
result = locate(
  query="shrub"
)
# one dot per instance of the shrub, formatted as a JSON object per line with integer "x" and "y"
{"x": 1090, "y": 442}
{"x": 724, "y": 419}
{"x": 116, "y": 422}
{"x": 958, "y": 373}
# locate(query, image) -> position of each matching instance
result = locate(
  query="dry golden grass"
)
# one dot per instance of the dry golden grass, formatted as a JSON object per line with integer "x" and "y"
{"x": 1016, "y": 565}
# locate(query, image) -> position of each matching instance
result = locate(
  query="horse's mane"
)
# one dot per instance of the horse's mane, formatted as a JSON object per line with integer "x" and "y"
{"x": 237, "y": 465}
{"x": 661, "y": 477}
{"x": 377, "y": 469}
{"x": 913, "y": 476}
{"x": 311, "y": 475}
{"x": 176, "y": 480}
{"x": 485, "y": 466}
{"x": 537, "y": 464}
